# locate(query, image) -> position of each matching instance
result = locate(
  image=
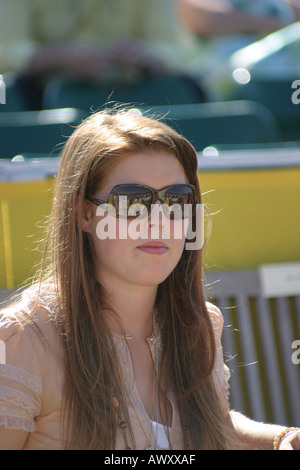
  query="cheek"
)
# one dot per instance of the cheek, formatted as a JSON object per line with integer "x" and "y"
{"x": 113, "y": 257}
{"x": 178, "y": 248}
{"x": 109, "y": 236}
{"x": 177, "y": 230}
{"x": 108, "y": 227}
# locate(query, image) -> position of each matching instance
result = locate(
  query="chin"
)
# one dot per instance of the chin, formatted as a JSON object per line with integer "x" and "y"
{"x": 152, "y": 279}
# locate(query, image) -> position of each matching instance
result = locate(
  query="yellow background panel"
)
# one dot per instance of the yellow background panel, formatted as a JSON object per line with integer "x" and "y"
{"x": 256, "y": 217}
{"x": 256, "y": 220}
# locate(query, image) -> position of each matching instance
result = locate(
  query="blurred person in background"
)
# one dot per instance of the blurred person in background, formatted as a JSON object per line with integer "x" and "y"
{"x": 296, "y": 7}
{"x": 224, "y": 26}
{"x": 252, "y": 18}
{"x": 109, "y": 42}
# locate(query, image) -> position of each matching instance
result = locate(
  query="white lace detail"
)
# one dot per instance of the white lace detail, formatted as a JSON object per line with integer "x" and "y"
{"x": 11, "y": 399}
{"x": 124, "y": 361}
{"x": 22, "y": 376}
{"x": 17, "y": 409}
{"x": 17, "y": 422}
{"x": 19, "y": 399}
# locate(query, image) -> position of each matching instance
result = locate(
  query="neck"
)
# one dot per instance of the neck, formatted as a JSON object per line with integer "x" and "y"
{"x": 134, "y": 307}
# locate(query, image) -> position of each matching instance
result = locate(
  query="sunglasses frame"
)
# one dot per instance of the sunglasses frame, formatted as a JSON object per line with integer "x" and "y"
{"x": 156, "y": 195}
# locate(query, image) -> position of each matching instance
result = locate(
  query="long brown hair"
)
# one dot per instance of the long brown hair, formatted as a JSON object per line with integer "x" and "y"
{"x": 92, "y": 376}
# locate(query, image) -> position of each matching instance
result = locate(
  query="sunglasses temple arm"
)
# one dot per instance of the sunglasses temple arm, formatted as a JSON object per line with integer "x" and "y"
{"x": 98, "y": 202}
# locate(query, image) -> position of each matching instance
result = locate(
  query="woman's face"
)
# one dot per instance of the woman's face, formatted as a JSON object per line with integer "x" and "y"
{"x": 127, "y": 259}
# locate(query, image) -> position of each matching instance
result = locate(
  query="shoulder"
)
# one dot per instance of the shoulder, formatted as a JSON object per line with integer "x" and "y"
{"x": 23, "y": 362}
{"x": 221, "y": 372}
{"x": 31, "y": 360}
{"x": 216, "y": 319}
{"x": 25, "y": 326}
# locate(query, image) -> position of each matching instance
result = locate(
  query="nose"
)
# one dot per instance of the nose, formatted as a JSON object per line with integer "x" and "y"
{"x": 157, "y": 221}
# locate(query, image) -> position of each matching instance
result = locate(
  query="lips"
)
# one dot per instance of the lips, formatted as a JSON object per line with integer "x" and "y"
{"x": 153, "y": 247}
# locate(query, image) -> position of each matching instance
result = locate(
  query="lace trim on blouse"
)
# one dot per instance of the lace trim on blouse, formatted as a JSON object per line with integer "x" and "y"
{"x": 19, "y": 406}
{"x": 21, "y": 376}
{"x": 17, "y": 423}
{"x": 17, "y": 409}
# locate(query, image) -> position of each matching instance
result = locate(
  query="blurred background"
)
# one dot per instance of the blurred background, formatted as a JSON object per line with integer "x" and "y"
{"x": 224, "y": 73}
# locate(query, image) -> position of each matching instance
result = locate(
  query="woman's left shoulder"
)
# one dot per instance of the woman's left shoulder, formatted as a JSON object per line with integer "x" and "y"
{"x": 216, "y": 318}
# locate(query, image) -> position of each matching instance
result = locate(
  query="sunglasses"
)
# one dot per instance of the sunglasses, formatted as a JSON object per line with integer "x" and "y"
{"x": 136, "y": 200}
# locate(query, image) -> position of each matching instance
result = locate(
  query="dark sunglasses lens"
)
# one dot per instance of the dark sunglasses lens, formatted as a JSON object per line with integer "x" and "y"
{"x": 180, "y": 200}
{"x": 131, "y": 201}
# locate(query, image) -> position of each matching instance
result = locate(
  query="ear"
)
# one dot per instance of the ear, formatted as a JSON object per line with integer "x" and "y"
{"x": 84, "y": 215}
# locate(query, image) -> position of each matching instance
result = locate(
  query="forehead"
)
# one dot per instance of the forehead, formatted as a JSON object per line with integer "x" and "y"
{"x": 152, "y": 168}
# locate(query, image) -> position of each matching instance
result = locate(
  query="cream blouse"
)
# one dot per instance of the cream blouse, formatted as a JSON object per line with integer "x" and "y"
{"x": 32, "y": 381}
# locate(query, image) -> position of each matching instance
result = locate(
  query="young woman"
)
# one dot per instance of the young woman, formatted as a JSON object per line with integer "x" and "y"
{"x": 114, "y": 347}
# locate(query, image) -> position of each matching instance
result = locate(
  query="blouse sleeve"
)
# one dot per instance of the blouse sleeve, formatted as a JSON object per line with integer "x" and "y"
{"x": 20, "y": 375}
{"x": 221, "y": 371}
